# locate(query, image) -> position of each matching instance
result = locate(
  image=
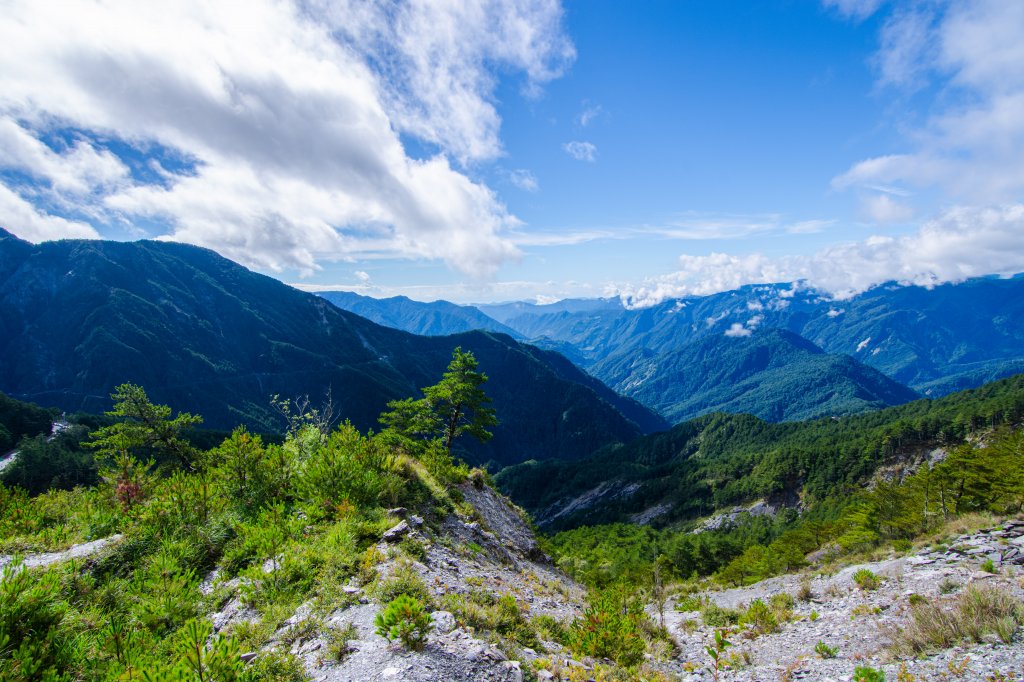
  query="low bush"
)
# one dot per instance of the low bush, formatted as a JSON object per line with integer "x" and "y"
{"x": 824, "y": 650}
{"x": 404, "y": 619}
{"x": 759, "y": 618}
{"x": 970, "y": 616}
{"x": 866, "y": 580}
{"x": 610, "y": 627}
{"x": 715, "y": 616}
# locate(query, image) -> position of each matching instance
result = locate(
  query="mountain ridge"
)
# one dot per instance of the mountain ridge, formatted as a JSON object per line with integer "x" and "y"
{"x": 201, "y": 333}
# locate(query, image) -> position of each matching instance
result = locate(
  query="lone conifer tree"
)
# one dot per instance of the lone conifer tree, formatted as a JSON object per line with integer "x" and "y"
{"x": 459, "y": 401}
{"x": 454, "y": 406}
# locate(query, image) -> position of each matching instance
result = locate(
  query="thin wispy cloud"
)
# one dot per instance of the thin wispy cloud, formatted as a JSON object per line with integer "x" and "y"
{"x": 581, "y": 151}
{"x": 524, "y": 180}
{"x": 589, "y": 114}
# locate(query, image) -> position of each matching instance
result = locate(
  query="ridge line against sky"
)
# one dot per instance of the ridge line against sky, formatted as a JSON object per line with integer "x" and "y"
{"x": 507, "y": 149}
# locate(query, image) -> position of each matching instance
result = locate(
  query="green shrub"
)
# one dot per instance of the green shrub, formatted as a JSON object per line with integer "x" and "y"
{"x": 916, "y": 599}
{"x": 33, "y": 642}
{"x": 347, "y": 469}
{"x": 550, "y": 628}
{"x": 782, "y": 604}
{"x": 824, "y": 650}
{"x": 759, "y": 618}
{"x": 715, "y": 616}
{"x": 865, "y": 674}
{"x": 405, "y": 619}
{"x": 866, "y": 580}
{"x": 275, "y": 666}
{"x": 989, "y": 566}
{"x": 689, "y": 602}
{"x": 610, "y": 627}
{"x": 403, "y": 581}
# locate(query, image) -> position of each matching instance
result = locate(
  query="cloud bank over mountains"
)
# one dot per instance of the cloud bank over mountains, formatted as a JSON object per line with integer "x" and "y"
{"x": 964, "y": 242}
{"x": 272, "y": 132}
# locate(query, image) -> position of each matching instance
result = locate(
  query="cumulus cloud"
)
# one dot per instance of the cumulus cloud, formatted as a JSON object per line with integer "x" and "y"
{"x": 961, "y": 243}
{"x": 581, "y": 151}
{"x": 291, "y": 116}
{"x": 970, "y": 144}
{"x": 737, "y": 330}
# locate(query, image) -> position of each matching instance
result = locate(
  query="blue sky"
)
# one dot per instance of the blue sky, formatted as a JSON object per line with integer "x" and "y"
{"x": 513, "y": 149}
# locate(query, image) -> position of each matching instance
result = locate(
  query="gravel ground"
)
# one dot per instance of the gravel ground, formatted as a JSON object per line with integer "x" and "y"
{"x": 858, "y": 623}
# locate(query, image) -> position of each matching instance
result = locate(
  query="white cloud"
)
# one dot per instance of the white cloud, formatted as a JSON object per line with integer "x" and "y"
{"x": 23, "y": 219}
{"x": 437, "y": 57}
{"x": 524, "y": 180}
{"x": 589, "y": 113}
{"x": 80, "y": 169}
{"x": 737, "y": 330}
{"x": 882, "y": 208}
{"x": 581, "y": 151}
{"x": 362, "y": 276}
{"x": 961, "y": 243}
{"x": 971, "y": 142}
{"x": 292, "y": 120}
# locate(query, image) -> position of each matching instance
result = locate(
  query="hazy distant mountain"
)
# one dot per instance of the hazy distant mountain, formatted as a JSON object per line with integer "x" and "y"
{"x": 437, "y": 318}
{"x": 204, "y": 334}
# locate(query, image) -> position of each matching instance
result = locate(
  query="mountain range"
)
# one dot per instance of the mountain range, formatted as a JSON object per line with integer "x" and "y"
{"x": 783, "y": 351}
{"x": 203, "y": 334}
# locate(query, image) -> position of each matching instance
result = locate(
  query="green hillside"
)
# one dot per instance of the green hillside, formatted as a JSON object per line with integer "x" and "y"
{"x": 206, "y": 335}
{"x": 720, "y": 460}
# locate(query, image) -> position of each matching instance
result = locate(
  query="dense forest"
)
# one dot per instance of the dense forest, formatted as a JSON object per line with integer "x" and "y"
{"x": 725, "y": 459}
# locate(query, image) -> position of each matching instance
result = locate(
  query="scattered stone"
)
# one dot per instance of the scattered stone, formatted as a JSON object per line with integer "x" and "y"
{"x": 397, "y": 532}
{"x": 444, "y": 622}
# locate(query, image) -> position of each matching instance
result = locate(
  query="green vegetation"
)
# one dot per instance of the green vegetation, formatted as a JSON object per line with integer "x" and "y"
{"x": 612, "y": 626}
{"x": 294, "y": 521}
{"x": 970, "y": 616}
{"x": 404, "y": 619}
{"x": 20, "y": 420}
{"x": 863, "y": 673}
{"x": 983, "y": 475}
{"x": 866, "y": 580}
{"x": 720, "y": 460}
{"x": 824, "y": 650}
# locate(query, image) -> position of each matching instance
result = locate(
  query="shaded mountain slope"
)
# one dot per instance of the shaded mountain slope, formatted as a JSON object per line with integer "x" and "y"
{"x": 204, "y": 334}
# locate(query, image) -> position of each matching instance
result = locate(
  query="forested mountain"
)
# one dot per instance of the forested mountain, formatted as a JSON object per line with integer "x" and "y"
{"x": 720, "y": 460}
{"x": 935, "y": 341}
{"x": 204, "y": 334}
{"x": 772, "y": 374}
{"x": 438, "y": 318}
